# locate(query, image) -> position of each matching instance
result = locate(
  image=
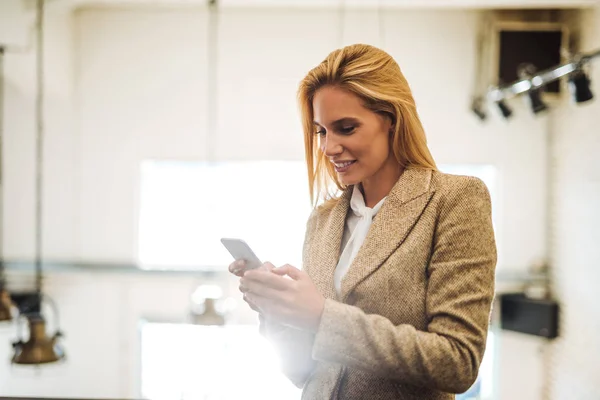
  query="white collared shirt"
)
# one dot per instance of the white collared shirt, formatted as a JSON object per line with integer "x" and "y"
{"x": 356, "y": 229}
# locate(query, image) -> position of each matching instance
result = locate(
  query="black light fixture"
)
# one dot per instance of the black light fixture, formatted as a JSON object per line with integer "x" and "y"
{"x": 527, "y": 72}
{"x": 505, "y": 110}
{"x": 532, "y": 83}
{"x": 535, "y": 100}
{"x": 38, "y": 348}
{"x": 579, "y": 84}
{"x": 478, "y": 108}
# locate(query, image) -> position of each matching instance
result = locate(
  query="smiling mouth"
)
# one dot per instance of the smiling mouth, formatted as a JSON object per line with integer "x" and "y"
{"x": 341, "y": 167}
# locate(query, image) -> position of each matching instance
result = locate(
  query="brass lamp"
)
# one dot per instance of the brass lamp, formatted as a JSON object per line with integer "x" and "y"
{"x": 204, "y": 306}
{"x": 209, "y": 316}
{"x": 5, "y": 305}
{"x": 39, "y": 349}
{"x": 5, "y": 301}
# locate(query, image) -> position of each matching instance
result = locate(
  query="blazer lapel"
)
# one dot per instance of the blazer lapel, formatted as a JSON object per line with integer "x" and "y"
{"x": 392, "y": 224}
{"x": 327, "y": 246}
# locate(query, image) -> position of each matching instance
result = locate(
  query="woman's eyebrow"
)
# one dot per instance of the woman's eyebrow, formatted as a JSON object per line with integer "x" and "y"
{"x": 339, "y": 121}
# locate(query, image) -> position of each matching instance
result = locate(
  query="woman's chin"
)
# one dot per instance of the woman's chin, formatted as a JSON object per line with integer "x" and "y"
{"x": 348, "y": 180}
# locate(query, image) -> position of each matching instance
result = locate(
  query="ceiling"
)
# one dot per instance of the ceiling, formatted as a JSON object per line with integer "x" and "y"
{"x": 481, "y": 4}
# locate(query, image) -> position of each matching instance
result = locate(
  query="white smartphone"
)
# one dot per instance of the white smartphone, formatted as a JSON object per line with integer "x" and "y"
{"x": 240, "y": 250}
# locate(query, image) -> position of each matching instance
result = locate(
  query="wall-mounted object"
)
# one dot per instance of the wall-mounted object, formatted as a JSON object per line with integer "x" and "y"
{"x": 529, "y": 54}
{"x": 520, "y": 313}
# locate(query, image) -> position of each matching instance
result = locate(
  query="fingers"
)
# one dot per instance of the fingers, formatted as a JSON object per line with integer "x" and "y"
{"x": 265, "y": 267}
{"x": 288, "y": 270}
{"x": 259, "y": 288}
{"x": 262, "y": 278}
{"x": 259, "y": 303}
{"x": 237, "y": 267}
{"x": 250, "y": 303}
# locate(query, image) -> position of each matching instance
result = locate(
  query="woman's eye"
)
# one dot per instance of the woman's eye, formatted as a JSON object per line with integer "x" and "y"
{"x": 347, "y": 130}
{"x": 320, "y": 132}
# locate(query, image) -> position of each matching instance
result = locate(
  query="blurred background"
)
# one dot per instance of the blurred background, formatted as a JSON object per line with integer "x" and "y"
{"x": 137, "y": 133}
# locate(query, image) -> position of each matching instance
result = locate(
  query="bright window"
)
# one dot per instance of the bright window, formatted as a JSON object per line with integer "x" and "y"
{"x": 186, "y": 207}
{"x": 233, "y": 362}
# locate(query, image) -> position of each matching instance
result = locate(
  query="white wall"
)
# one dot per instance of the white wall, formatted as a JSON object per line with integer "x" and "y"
{"x": 572, "y": 368}
{"x": 126, "y": 85}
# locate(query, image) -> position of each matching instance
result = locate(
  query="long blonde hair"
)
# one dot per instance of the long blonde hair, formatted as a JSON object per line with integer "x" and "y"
{"x": 374, "y": 76}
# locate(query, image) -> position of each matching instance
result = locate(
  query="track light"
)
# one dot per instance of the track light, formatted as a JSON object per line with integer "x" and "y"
{"x": 532, "y": 82}
{"x": 478, "y": 108}
{"x": 527, "y": 72}
{"x": 504, "y": 108}
{"x": 535, "y": 101}
{"x": 579, "y": 84}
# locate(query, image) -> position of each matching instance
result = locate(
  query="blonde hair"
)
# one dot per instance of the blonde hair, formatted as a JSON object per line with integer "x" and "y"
{"x": 374, "y": 76}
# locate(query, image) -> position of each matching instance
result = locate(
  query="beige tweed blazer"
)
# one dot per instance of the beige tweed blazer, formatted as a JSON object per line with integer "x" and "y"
{"x": 412, "y": 318}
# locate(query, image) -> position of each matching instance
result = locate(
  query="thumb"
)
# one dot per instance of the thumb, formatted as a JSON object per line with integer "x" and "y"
{"x": 288, "y": 270}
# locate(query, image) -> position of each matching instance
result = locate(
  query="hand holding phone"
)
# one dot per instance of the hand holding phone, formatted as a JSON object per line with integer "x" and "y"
{"x": 240, "y": 250}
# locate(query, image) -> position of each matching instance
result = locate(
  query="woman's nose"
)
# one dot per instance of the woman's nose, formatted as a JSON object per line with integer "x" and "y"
{"x": 331, "y": 147}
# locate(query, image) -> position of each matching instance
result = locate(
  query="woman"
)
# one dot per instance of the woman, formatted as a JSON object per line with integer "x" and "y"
{"x": 394, "y": 297}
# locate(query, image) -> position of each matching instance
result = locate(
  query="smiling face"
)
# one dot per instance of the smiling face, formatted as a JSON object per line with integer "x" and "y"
{"x": 355, "y": 139}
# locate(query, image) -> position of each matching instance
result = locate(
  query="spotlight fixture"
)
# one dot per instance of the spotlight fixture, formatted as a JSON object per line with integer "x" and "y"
{"x": 505, "y": 110}
{"x": 535, "y": 100}
{"x": 527, "y": 72}
{"x": 579, "y": 84}
{"x": 478, "y": 108}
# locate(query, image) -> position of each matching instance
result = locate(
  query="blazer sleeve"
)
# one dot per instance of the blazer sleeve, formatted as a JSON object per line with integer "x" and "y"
{"x": 293, "y": 346}
{"x": 460, "y": 292}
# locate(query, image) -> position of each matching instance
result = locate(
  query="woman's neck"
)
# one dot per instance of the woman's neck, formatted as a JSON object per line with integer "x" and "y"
{"x": 379, "y": 185}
